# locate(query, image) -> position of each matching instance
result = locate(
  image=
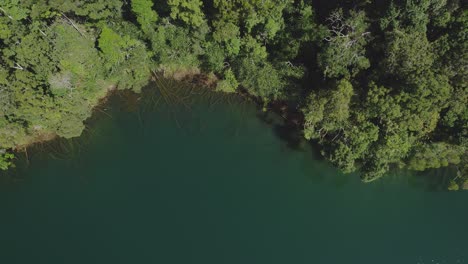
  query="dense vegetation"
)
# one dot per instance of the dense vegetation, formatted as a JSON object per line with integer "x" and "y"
{"x": 381, "y": 84}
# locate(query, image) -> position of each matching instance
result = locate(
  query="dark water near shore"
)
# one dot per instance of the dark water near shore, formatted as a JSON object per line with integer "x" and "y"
{"x": 206, "y": 180}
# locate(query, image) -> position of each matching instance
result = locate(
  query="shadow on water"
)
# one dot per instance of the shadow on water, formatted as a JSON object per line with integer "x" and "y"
{"x": 434, "y": 180}
{"x": 286, "y": 126}
{"x": 284, "y": 130}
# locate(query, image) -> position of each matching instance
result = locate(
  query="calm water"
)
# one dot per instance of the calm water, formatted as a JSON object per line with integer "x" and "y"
{"x": 209, "y": 181}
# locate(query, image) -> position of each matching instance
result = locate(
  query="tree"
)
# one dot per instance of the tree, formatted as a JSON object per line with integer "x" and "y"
{"x": 435, "y": 155}
{"x": 214, "y": 57}
{"x": 260, "y": 79}
{"x": 229, "y": 83}
{"x": 328, "y": 111}
{"x": 262, "y": 19}
{"x": 175, "y": 49}
{"x": 227, "y": 34}
{"x": 5, "y": 160}
{"x": 351, "y": 147}
{"x": 146, "y": 16}
{"x": 188, "y": 11}
{"x": 126, "y": 58}
{"x": 343, "y": 52}
{"x": 407, "y": 53}
{"x": 414, "y": 15}
{"x": 92, "y": 9}
{"x": 14, "y": 10}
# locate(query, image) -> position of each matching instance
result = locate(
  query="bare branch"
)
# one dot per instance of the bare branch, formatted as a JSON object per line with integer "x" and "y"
{"x": 17, "y": 66}
{"x": 73, "y": 24}
{"x": 3, "y": 10}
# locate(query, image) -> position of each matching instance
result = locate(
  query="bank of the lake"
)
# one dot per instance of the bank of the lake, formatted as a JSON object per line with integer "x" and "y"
{"x": 376, "y": 84}
{"x": 209, "y": 180}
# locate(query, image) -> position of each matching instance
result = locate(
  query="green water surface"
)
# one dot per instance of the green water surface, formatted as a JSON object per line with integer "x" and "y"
{"x": 211, "y": 180}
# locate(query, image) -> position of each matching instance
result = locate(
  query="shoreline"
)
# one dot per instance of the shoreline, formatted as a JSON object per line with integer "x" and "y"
{"x": 293, "y": 119}
{"x": 50, "y": 135}
{"x": 191, "y": 76}
{"x": 291, "y": 128}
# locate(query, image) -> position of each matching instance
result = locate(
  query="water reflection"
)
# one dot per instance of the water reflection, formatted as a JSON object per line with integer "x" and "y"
{"x": 183, "y": 103}
{"x": 222, "y": 188}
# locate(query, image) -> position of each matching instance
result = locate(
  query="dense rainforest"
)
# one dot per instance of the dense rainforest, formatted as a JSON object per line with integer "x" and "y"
{"x": 379, "y": 84}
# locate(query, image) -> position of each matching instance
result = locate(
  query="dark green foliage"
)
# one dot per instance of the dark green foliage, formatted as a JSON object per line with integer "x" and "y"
{"x": 229, "y": 83}
{"x": 188, "y": 11}
{"x": 328, "y": 111}
{"x": 407, "y": 53}
{"x": 126, "y": 59}
{"x": 435, "y": 155}
{"x": 380, "y": 84}
{"x": 5, "y": 160}
{"x": 174, "y": 50}
{"x": 343, "y": 48}
{"x": 260, "y": 79}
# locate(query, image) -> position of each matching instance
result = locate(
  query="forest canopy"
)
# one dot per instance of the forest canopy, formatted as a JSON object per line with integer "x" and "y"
{"x": 380, "y": 84}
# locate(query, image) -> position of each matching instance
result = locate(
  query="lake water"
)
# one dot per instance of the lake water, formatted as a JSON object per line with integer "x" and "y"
{"x": 209, "y": 181}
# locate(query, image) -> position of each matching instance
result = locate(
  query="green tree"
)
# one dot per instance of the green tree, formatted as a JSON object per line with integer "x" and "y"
{"x": 14, "y": 9}
{"x": 174, "y": 49}
{"x": 407, "y": 53}
{"x": 343, "y": 52}
{"x": 329, "y": 111}
{"x": 126, "y": 58}
{"x": 188, "y": 11}
{"x": 227, "y": 34}
{"x": 5, "y": 160}
{"x": 229, "y": 83}
{"x": 351, "y": 146}
{"x": 260, "y": 79}
{"x": 146, "y": 16}
{"x": 92, "y": 9}
{"x": 435, "y": 155}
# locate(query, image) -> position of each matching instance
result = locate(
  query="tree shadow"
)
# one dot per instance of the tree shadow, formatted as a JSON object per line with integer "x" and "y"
{"x": 432, "y": 180}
